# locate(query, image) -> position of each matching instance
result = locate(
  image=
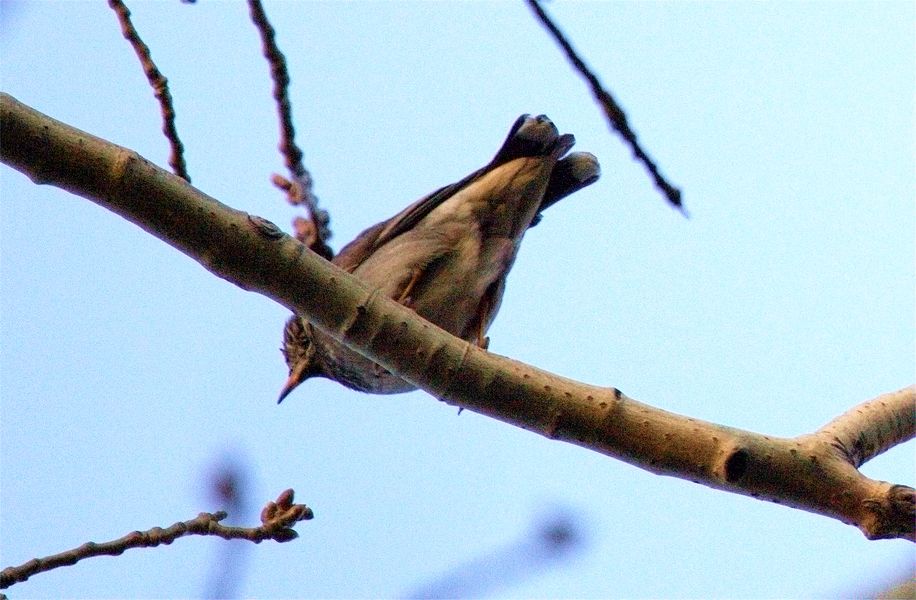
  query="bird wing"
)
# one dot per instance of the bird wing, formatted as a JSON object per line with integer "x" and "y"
{"x": 528, "y": 137}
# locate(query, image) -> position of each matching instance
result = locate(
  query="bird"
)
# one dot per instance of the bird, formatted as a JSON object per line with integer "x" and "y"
{"x": 447, "y": 255}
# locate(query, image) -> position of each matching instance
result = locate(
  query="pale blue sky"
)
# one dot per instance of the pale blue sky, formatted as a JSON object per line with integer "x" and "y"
{"x": 788, "y": 297}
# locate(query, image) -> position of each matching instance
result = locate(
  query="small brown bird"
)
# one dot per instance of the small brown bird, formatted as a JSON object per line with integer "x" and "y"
{"x": 447, "y": 255}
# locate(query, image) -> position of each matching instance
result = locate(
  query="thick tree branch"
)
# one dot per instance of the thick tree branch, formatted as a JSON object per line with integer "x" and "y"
{"x": 867, "y": 430}
{"x": 807, "y": 472}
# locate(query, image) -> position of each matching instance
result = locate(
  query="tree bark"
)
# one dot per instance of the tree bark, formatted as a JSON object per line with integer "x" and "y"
{"x": 816, "y": 472}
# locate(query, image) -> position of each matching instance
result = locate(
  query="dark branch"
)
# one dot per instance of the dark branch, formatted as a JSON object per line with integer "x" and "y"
{"x": 299, "y": 190}
{"x": 160, "y": 87}
{"x": 615, "y": 114}
{"x": 280, "y": 76}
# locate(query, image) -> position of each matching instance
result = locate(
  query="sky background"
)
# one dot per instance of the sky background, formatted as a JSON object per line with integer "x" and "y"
{"x": 130, "y": 374}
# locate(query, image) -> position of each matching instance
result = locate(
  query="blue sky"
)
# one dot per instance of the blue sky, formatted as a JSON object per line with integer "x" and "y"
{"x": 128, "y": 371}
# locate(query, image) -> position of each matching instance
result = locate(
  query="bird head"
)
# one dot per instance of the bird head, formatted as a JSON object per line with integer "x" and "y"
{"x": 299, "y": 352}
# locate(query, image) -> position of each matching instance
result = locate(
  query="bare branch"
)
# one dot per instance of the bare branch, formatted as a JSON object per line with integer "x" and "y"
{"x": 160, "y": 87}
{"x": 867, "y": 430}
{"x": 277, "y": 519}
{"x": 299, "y": 190}
{"x": 280, "y": 76}
{"x": 615, "y": 115}
{"x": 806, "y": 472}
{"x": 548, "y": 543}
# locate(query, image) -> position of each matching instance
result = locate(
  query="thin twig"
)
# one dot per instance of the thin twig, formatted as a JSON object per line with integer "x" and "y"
{"x": 277, "y": 517}
{"x": 299, "y": 190}
{"x": 160, "y": 87}
{"x": 616, "y": 117}
{"x": 280, "y": 75}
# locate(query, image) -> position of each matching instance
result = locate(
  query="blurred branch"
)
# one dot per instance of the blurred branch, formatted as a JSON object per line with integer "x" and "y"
{"x": 228, "y": 486}
{"x": 160, "y": 87}
{"x": 299, "y": 190}
{"x": 548, "y": 544}
{"x": 615, "y": 115}
{"x": 905, "y": 590}
{"x": 277, "y": 518}
{"x": 816, "y": 472}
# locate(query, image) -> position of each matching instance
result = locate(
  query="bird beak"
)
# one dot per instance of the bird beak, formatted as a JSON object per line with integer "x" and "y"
{"x": 296, "y": 376}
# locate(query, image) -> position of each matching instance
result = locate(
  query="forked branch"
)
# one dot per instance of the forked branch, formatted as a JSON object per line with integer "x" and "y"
{"x": 815, "y": 472}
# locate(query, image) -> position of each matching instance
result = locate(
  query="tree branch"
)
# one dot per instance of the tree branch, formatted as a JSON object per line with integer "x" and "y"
{"x": 160, "y": 87}
{"x": 612, "y": 110}
{"x": 315, "y": 231}
{"x": 277, "y": 519}
{"x": 867, "y": 430}
{"x": 807, "y": 472}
